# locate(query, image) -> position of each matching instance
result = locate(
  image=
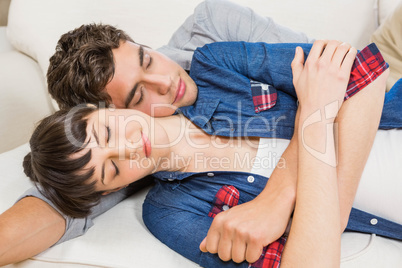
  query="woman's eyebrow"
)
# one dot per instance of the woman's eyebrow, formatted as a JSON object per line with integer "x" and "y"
{"x": 103, "y": 165}
{"x": 94, "y": 133}
{"x": 103, "y": 174}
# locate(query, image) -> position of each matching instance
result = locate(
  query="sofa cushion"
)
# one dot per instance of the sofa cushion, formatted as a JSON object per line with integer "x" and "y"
{"x": 385, "y": 8}
{"x": 23, "y": 100}
{"x": 35, "y": 26}
{"x": 5, "y": 45}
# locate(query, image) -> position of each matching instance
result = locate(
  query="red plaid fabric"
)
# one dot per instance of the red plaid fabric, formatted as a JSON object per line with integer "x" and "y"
{"x": 368, "y": 65}
{"x": 264, "y": 96}
{"x": 271, "y": 255}
{"x": 227, "y": 197}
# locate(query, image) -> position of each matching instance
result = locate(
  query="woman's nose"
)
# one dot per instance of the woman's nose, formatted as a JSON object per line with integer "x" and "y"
{"x": 122, "y": 151}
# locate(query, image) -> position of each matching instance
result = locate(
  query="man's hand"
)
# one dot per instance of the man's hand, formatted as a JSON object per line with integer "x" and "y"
{"x": 242, "y": 232}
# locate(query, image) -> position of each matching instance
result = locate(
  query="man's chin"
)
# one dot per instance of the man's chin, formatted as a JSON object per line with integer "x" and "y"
{"x": 164, "y": 110}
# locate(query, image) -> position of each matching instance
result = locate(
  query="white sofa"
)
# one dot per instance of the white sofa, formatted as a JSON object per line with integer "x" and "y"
{"x": 119, "y": 237}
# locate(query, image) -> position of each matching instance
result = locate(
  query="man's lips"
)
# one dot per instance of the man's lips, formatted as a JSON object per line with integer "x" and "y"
{"x": 181, "y": 89}
{"x": 146, "y": 145}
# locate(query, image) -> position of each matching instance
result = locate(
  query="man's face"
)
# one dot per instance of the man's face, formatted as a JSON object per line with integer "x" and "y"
{"x": 148, "y": 81}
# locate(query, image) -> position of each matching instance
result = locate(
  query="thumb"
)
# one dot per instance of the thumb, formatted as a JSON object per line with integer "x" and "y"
{"x": 297, "y": 64}
{"x": 203, "y": 245}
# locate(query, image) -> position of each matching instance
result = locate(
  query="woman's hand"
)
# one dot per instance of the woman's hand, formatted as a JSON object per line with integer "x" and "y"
{"x": 323, "y": 78}
{"x": 241, "y": 233}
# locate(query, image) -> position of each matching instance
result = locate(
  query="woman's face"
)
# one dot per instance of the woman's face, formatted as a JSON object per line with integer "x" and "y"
{"x": 126, "y": 146}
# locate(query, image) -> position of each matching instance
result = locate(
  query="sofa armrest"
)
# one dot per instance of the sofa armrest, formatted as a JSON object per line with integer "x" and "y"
{"x": 24, "y": 99}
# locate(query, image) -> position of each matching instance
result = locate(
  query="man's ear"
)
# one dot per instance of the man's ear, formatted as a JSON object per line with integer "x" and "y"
{"x": 114, "y": 190}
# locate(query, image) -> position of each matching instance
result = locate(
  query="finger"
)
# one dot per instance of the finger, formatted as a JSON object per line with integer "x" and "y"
{"x": 297, "y": 64}
{"x": 253, "y": 252}
{"x": 225, "y": 248}
{"x": 329, "y": 50}
{"x": 340, "y": 54}
{"x": 349, "y": 59}
{"x": 239, "y": 250}
{"x": 212, "y": 242}
{"x": 317, "y": 49}
{"x": 213, "y": 236}
{"x": 203, "y": 245}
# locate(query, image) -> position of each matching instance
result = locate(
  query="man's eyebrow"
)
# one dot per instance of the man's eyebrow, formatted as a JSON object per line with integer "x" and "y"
{"x": 103, "y": 165}
{"x": 141, "y": 55}
{"x": 130, "y": 96}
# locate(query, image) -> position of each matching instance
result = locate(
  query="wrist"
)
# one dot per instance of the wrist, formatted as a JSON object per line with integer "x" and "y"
{"x": 282, "y": 196}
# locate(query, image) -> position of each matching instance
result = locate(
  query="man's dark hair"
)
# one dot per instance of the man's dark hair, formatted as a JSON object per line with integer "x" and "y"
{"x": 58, "y": 175}
{"x": 83, "y": 64}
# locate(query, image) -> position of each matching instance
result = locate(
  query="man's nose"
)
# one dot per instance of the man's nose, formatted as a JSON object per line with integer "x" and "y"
{"x": 161, "y": 84}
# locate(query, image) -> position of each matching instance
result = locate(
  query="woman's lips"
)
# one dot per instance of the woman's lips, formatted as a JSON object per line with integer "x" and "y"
{"x": 181, "y": 89}
{"x": 146, "y": 145}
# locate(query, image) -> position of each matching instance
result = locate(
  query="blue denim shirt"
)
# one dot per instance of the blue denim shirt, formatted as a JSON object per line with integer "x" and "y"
{"x": 176, "y": 211}
{"x": 223, "y": 72}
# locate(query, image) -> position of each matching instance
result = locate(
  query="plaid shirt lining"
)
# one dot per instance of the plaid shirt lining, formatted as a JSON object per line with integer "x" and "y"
{"x": 368, "y": 65}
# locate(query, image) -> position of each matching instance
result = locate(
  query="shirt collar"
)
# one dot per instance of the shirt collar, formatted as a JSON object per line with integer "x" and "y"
{"x": 172, "y": 175}
{"x": 201, "y": 112}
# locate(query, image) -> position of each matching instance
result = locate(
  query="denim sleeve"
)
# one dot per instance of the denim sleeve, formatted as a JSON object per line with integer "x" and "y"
{"x": 78, "y": 226}
{"x": 266, "y": 63}
{"x": 183, "y": 231}
{"x": 221, "y": 20}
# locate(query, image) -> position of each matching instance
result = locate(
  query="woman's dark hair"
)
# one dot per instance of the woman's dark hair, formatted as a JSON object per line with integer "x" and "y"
{"x": 51, "y": 165}
{"x": 83, "y": 64}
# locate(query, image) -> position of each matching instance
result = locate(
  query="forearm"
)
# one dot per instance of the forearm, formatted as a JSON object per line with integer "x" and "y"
{"x": 358, "y": 121}
{"x": 281, "y": 186}
{"x": 283, "y": 181}
{"x": 28, "y": 228}
{"x": 314, "y": 238}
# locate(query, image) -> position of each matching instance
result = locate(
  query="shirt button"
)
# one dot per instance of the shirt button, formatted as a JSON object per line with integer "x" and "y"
{"x": 171, "y": 179}
{"x": 210, "y": 174}
{"x": 373, "y": 221}
{"x": 250, "y": 179}
{"x": 225, "y": 207}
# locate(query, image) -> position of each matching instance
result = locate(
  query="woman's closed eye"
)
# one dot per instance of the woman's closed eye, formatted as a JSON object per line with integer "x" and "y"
{"x": 107, "y": 134}
{"x": 141, "y": 96}
{"x": 117, "y": 171}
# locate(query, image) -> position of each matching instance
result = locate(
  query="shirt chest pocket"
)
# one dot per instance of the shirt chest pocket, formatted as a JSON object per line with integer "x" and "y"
{"x": 264, "y": 96}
